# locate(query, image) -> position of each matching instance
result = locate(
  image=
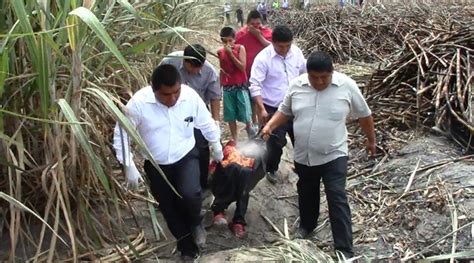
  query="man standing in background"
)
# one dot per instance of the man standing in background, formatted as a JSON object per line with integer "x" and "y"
{"x": 201, "y": 76}
{"x": 240, "y": 16}
{"x": 306, "y": 4}
{"x": 227, "y": 9}
{"x": 254, "y": 37}
{"x": 263, "y": 10}
{"x": 273, "y": 69}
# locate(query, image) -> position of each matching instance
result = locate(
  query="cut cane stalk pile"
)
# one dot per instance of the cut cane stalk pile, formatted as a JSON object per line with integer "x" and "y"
{"x": 414, "y": 65}
{"x": 425, "y": 55}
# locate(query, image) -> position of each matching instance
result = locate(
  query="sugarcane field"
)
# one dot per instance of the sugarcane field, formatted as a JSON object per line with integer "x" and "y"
{"x": 237, "y": 131}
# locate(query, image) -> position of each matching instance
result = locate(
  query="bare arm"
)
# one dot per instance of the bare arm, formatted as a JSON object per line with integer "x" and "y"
{"x": 262, "y": 113}
{"x": 264, "y": 41}
{"x": 258, "y": 101}
{"x": 258, "y": 34}
{"x": 367, "y": 125}
{"x": 215, "y": 109}
{"x": 277, "y": 120}
{"x": 240, "y": 62}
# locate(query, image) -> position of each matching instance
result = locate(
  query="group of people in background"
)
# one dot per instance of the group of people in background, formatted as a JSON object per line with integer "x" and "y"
{"x": 265, "y": 8}
{"x": 352, "y": 2}
{"x": 265, "y": 81}
{"x": 262, "y": 7}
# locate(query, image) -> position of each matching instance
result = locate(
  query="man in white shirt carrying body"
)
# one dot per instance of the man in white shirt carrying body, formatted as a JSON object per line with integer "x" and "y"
{"x": 197, "y": 73}
{"x": 273, "y": 69}
{"x": 165, "y": 115}
{"x": 320, "y": 102}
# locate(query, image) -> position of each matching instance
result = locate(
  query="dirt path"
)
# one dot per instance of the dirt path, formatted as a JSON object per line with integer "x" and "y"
{"x": 388, "y": 223}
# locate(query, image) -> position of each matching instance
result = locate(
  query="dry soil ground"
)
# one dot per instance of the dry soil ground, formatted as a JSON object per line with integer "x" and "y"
{"x": 387, "y": 223}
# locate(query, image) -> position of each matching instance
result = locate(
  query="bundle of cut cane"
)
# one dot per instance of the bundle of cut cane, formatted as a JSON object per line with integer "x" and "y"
{"x": 430, "y": 84}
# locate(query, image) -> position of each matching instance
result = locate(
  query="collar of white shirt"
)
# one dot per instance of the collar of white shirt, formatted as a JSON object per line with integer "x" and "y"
{"x": 288, "y": 55}
{"x": 335, "y": 80}
{"x": 183, "y": 96}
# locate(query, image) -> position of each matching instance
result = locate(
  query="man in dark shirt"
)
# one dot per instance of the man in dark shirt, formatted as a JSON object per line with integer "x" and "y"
{"x": 240, "y": 16}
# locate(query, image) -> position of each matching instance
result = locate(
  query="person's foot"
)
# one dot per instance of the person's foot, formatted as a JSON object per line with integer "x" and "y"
{"x": 199, "y": 235}
{"x": 188, "y": 258}
{"x": 344, "y": 255}
{"x": 251, "y": 131}
{"x": 237, "y": 229}
{"x": 206, "y": 193}
{"x": 301, "y": 233}
{"x": 219, "y": 219}
{"x": 272, "y": 177}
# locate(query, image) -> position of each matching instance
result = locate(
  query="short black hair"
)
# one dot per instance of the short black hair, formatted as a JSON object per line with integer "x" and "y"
{"x": 282, "y": 33}
{"x": 196, "y": 51}
{"x": 254, "y": 14}
{"x": 319, "y": 61}
{"x": 166, "y": 75}
{"x": 227, "y": 31}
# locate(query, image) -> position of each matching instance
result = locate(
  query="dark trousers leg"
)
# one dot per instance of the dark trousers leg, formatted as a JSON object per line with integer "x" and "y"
{"x": 241, "y": 205}
{"x": 181, "y": 214}
{"x": 276, "y": 143}
{"x": 219, "y": 206}
{"x": 308, "y": 195}
{"x": 204, "y": 156}
{"x": 334, "y": 179}
{"x": 241, "y": 208}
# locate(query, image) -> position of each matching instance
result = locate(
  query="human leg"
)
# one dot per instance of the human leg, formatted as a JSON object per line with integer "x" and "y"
{"x": 334, "y": 179}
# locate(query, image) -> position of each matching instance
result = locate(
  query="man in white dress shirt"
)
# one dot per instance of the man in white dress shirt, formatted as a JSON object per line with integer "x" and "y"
{"x": 197, "y": 73}
{"x": 273, "y": 69}
{"x": 320, "y": 103}
{"x": 165, "y": 115}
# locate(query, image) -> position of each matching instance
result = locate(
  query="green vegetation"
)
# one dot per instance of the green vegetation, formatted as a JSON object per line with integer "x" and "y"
{"x": 65, "y": 67}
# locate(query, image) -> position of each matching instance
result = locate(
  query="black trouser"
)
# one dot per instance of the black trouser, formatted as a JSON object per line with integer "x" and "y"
{"x": 232, "y": 184}
{"x": 240, "y": 20}
{"x": 276, "y": 143}
{"x": 240, "y": 208}
{"x": 202, "y": 146}
{"x": 181, "y": 214}
{"x": 334, "y": 176}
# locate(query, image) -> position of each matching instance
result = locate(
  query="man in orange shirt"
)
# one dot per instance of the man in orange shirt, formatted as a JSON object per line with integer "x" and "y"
{"x": 254, "y": 37}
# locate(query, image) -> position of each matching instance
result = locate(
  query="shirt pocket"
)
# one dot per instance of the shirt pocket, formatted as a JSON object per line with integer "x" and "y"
{"x": 338, "y": 110}
{"x": 188, "y": 126}
{"x": 335, "y": 115}
{"x": 302, "y": 103}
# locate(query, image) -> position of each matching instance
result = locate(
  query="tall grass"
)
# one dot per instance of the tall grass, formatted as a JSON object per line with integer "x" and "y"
{"x": 65, "y": 67}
